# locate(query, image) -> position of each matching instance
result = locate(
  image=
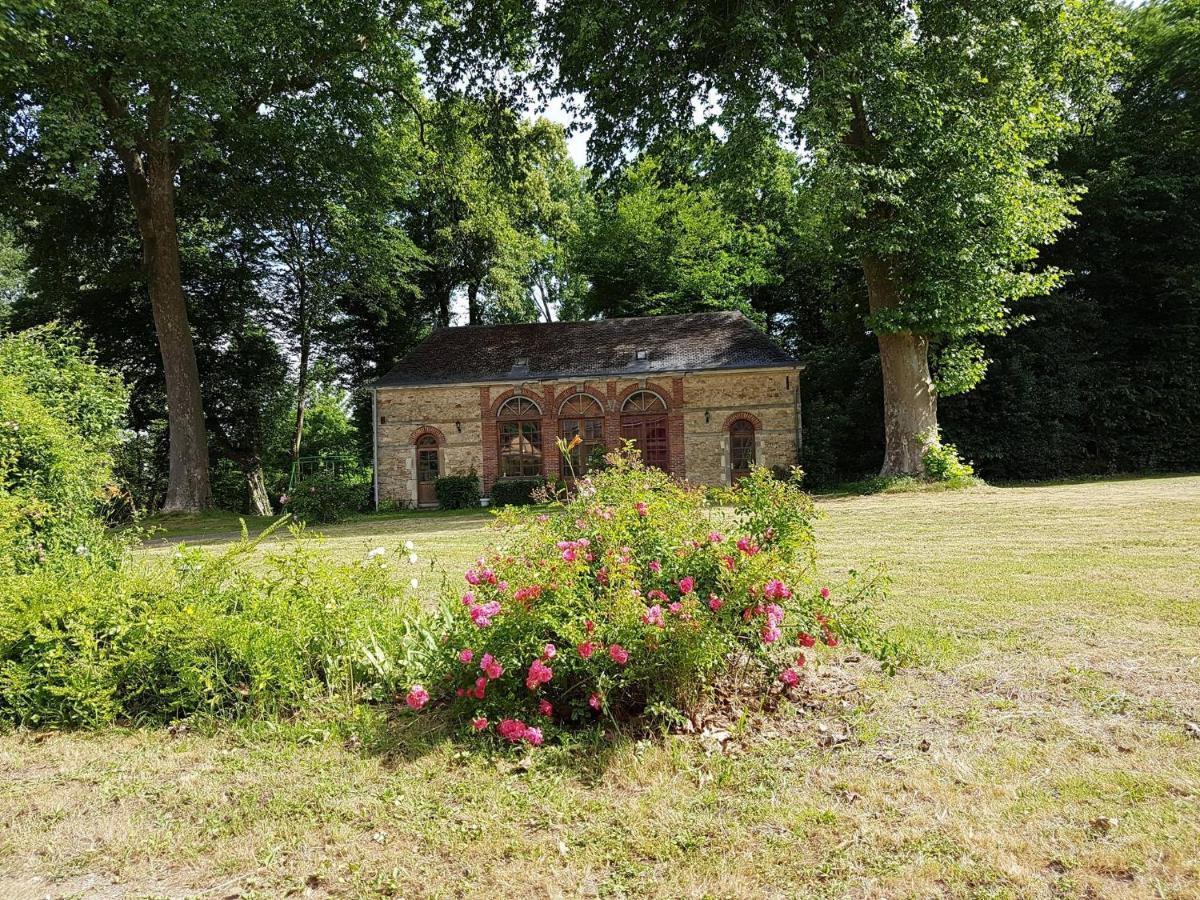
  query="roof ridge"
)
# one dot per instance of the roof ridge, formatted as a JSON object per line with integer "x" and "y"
{"x": 601, "y": 320}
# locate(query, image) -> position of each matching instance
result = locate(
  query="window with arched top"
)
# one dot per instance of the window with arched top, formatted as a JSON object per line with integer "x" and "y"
{"x": 644, "y": 402}
{"x": 582, "y": 416}
{"x": 741, "y": 449}
{"x": 520, "y": 434}
{"x": 519, "y": 408}
{"x": 644, "y": 421}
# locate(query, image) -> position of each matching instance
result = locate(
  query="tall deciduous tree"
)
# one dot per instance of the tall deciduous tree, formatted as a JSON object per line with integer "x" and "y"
{"x": 928, "y": 129}
{"x": 162, "y": 86}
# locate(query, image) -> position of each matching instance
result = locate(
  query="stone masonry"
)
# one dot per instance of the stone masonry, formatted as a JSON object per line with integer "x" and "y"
{"x": 700, "y": 409}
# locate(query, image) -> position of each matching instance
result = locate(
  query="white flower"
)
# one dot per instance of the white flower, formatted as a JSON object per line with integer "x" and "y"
{"x": 412, "y": 558}
{"x": 409, "y": 546}
{"x": 82, "y": 551}
{"x": 415, "y": 584}
{"x": 378, "y": 551}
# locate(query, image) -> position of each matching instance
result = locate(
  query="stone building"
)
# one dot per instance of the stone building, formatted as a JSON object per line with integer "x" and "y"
{"x": 703, "y": 396}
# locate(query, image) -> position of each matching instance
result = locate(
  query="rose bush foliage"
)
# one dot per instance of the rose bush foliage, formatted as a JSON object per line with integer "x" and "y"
{"x": 634, "y": 595}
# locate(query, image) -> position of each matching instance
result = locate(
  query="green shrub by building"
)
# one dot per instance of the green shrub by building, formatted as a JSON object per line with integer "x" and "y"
{"x": 457, "y": 491}
{"x": 515, "y": 491}
{"x": 327, "y": 497}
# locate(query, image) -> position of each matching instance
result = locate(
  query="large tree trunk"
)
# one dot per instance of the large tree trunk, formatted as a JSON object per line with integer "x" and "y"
{"x": 909, "y": 398}
{"x": 154, "y": 200}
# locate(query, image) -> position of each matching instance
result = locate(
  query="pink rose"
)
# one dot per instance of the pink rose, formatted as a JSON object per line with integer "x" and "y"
{"x": 465, "y": 655}
{"x": 417, "y": 697}
{"x": 687, "y": 585}
{"x": 479, "y": 724}
{"x": 618, "y": 654}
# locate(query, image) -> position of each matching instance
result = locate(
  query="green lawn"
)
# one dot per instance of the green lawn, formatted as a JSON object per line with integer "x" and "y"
{"x": 1040, "y": 748}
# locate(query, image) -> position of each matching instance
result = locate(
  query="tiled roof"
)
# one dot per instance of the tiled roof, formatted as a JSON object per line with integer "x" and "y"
{"x": 601, "y": 347}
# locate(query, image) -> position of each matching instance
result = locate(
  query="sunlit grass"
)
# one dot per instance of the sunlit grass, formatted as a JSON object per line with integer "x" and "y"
{"x": 1038, "y": 750}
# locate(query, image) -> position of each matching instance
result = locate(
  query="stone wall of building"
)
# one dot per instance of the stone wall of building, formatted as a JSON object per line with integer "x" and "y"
{"x": 402, "y": 415}
{"x": 700, "y": 409}
{"x": 713, "y": 401}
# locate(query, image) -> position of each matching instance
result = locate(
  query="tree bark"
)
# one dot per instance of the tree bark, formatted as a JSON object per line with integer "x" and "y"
{"x": 188, "y": 487}
{"x": 256, "y": 484}
{"x": 150, "y": 164}
{"x": 302, "y": 373}
{"x": 473, "y": 303}
{"x": 909, "y": 399}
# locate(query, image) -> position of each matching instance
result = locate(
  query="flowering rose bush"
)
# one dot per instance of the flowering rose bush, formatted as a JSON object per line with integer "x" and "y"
{"x": 633, "y": 595}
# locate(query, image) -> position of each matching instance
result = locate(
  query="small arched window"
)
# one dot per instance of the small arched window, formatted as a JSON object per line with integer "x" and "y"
{"x": 644, "y": 421}
{"x": 520, "y": 431}
{"x": 582, "y": 416}
{"x": 644, "y": 402}
{"x": 741, "y": 449}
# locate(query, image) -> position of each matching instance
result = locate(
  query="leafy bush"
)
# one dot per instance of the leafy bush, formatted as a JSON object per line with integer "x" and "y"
{"x": 457, "y": 491}
{"x": 942, "y": 464}
{"x": 86, "y": 645}
{"x": 628, "y": 598}
{"x": 327, "y": 497}
{"x": 516, "y": 491}
{"x": 59, "y": 415}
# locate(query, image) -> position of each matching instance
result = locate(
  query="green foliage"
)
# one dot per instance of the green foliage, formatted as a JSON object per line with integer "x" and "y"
{"x": 1104, "y": 378}
{"x": 56, "y": 366}
{"x": 657, "y": 245}
{"x": 326, "y": 497}
{"x": 516, "y": 491}
{"x": 942, "y": 464}
{"x": 88, "y": 645}
{"x": 458, "y": 491}
{"x": 624, "y": 599}
{"x": 59, "y": 415}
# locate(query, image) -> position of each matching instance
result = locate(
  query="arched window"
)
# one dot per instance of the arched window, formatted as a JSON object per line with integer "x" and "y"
{"x": 644, "y": 402}
{"x": 581, "y": 415}
{"x": 741, "y": 449}
{"x": 520, "y": 429}
{"x": 644, "y": 421}
{"x": 428, "y": 469}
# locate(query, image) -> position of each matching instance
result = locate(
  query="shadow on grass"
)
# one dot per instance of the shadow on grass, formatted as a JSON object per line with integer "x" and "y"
{"x": 397, "y": 737}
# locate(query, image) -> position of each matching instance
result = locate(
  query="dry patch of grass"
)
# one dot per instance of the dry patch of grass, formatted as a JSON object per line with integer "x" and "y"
{"x": 1037, "y": 750}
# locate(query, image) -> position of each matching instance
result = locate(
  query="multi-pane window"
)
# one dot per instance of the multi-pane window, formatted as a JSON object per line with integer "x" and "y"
{"x": 582, "y": 416}
{"x": 520, "y": 429}
{"x": 644, "y": 421}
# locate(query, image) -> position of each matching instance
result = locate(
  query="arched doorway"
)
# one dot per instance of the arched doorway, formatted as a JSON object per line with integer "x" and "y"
{"x": 429, "y": 468}
{"x": 644, "y": 421}
{"x": 741, "y": 449}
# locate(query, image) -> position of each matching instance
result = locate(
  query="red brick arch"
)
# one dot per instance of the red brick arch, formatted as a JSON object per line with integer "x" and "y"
{"x": 745, "y": 416}
{"x": 424, "y": 430}
{"x": 662, "y": 391}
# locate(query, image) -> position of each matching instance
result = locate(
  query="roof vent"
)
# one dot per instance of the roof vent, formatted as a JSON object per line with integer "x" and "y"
{"x": 520, "y": 366}
{"x": 642, "y": 355}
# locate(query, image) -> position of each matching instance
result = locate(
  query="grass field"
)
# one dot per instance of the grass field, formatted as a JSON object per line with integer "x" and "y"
{"x": 1040, "y": 748}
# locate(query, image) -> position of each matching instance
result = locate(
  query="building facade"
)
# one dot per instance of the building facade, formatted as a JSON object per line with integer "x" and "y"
{"x": 702, "y": 396}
